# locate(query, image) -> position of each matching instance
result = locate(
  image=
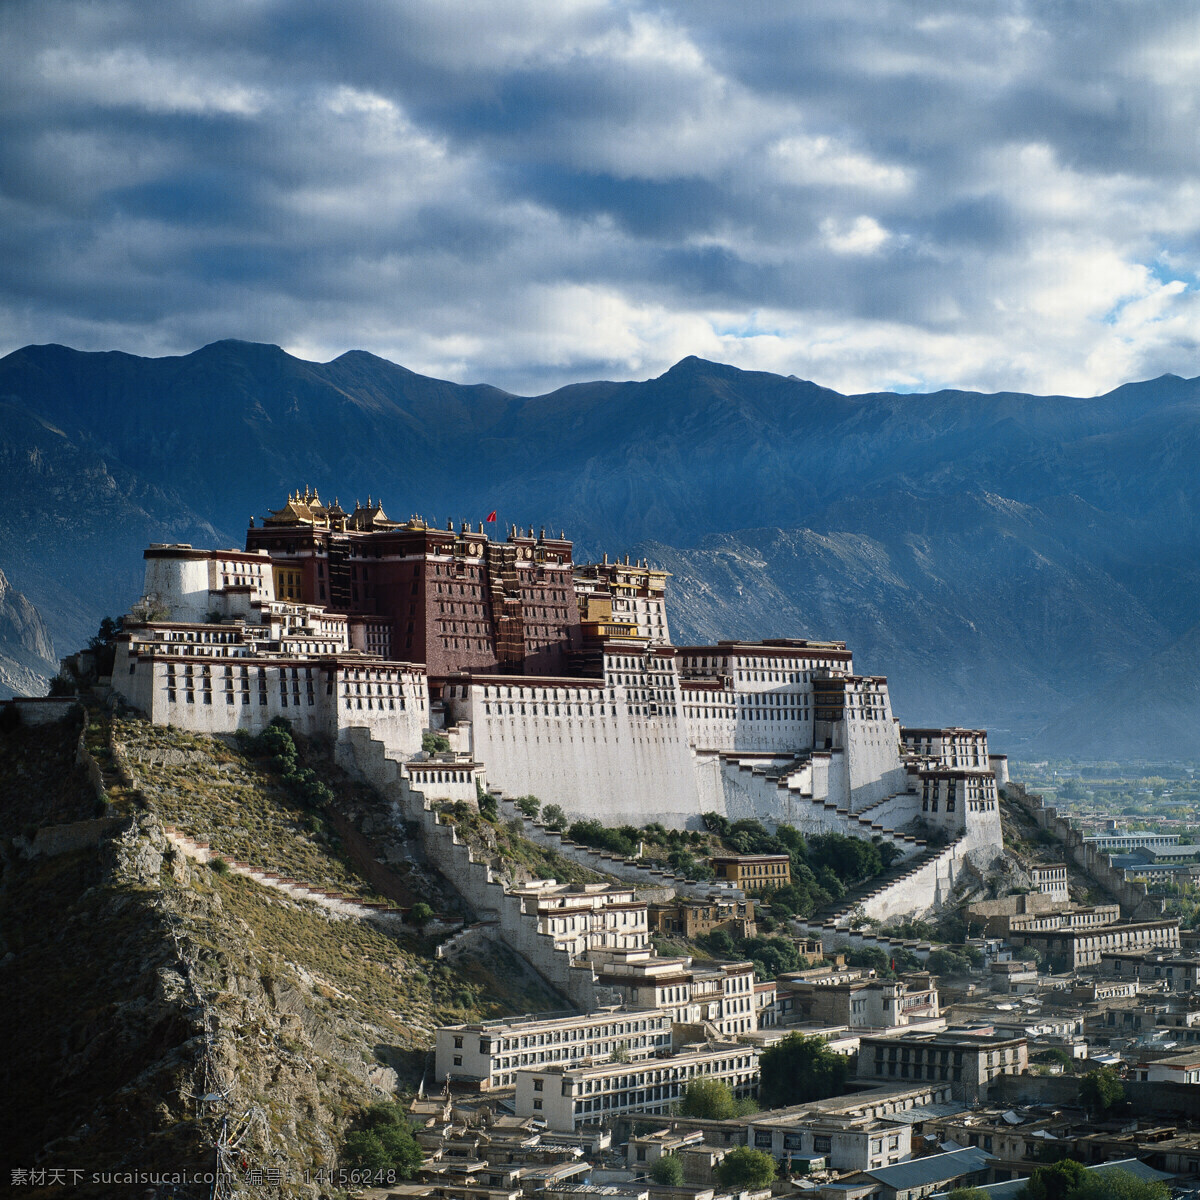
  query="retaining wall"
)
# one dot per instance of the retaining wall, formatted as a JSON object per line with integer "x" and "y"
{"x": 472, "y": 878}
{"x": 51, "y": 840}
{"x": 1134, "y": 899}
{"x": 40, "y": 710}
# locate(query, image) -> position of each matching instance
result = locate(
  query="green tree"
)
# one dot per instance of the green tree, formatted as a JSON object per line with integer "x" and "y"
{"x": 530, "y": 806}
{"x": 420, "y": 914}
{"x": 771, "y": 956}
{"x": 384, "y": 1142}
{"x": 1054, "y": 1182}
{"x": 708, "y": 1098}
{"x": 746, "y": 1167}
{"x": 1029, "y": 954}
{"x": 554, "y": 816}
{"x": 435, "y": 743}
{"x": 948, "y": 962}
{"x": 1112, "y": 1183}
{"x": 720, "y": 942}
{"x": 1101, "y": 1089}
{"x": 667, "y": 1170}
{"x": 798, "y": 1069}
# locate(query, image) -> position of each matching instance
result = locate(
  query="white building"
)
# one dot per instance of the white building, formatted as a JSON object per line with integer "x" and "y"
{"x": 567, "y": 1097}
{"x": 489, "y": 1053}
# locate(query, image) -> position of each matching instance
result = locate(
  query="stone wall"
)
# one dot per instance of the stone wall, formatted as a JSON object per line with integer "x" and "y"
{"x": 51, "y": 840}
{"x": 40, "y": 710}
{"x": 472, "y": 878}
{"x": 1156, "y": 1099}
{"x": 1135, "y": 901}
{"x": 580, "y": 747}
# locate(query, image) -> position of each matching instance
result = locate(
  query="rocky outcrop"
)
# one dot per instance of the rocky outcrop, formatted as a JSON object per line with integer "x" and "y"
{"x": 26, "y": 652}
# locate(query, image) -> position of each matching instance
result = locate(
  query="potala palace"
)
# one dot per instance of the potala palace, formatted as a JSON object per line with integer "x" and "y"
{"x": 547, "y": 677}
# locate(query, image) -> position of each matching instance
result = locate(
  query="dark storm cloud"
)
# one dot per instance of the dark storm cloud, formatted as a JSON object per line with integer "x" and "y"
{"x": 867, "y": 192}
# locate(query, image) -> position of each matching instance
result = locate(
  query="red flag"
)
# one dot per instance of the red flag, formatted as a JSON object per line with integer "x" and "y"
{"x": 492, "y": 515}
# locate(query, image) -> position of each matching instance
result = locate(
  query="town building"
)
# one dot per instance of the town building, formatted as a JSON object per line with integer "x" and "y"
{"x": 1051, "y": 881}
{"x": 487, "y": 1054}
{"x": 753, "y": 873}
{"x": 857, "y": 1003}
{"x": 1070, "y": 949}
{"x": 693, "y": 917}
{"x": 846, "y": 1144}
{"x": 968, "y": 1063}
{"x": 924, "y": 1176}
{"x": 566, "y": 1097}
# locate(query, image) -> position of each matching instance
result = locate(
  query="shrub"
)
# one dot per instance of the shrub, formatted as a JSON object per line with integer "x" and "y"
{"x": 219, "y": 865}
{"x": 530, "y": 806}
{"x": 708, "y": 1098}
{"x": 1054, "y": 1182}
{"x": 667, "y": 1170}
{"x": 435, "y": 743}
{"x": 420, "y": 914}
{"x": 745, "y": 1167}
{"x": 600, "y": 837}
{"x": 554, "y": 816}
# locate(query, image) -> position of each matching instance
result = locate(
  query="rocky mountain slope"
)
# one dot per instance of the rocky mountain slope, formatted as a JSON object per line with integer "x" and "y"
{"x": 1003, "y": 558}
{"x": 27, "y": 660}
{"x": 151, "y": 1001}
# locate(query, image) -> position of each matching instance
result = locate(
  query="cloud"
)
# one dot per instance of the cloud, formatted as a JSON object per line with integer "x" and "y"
{"x": 870, "y": 193}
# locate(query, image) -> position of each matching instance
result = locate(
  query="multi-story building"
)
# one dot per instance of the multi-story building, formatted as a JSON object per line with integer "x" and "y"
{"x": 693, "y": 917}
{"x": 720, "y": 995}
{"x": 1181, "y": 1066}
{"x": 753, "y": 873}
{"x": 1051, "y": 881}
{"x": 968, "y": 1063}
{"x": 487, "y": 1054}
{"x": 857, "y": 1003}
{"x": 587, "y": 917}
{"x": 1116, "y": 843}
{"x": 1069, "y": 949}
{"x": 566, "y": 1097}
{"x": 450, "y": 599}
{"x": 846, "y": 1143}
{"x": 1179, "y": 972}
{"x": 632, "y": 598}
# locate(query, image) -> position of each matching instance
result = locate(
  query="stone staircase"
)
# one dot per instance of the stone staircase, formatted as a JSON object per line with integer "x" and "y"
{"x": 856, "y": 823}
{"x": 835, "y": 918}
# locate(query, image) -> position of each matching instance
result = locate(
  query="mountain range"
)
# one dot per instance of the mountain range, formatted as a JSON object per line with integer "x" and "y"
{"x": 1026, "y": 563}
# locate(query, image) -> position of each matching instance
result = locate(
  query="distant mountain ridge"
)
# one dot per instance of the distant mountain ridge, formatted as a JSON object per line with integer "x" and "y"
{"x": 1003, "y": 558}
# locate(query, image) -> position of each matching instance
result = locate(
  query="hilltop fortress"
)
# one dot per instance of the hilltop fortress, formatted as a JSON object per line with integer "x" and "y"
{"x": 547, "y": 677}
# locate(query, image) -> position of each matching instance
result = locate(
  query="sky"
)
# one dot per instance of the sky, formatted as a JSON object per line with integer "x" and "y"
{"x": 868, "y": 194}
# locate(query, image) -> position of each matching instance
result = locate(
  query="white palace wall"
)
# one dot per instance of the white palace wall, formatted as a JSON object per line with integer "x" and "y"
{"x": 585, "y": 748}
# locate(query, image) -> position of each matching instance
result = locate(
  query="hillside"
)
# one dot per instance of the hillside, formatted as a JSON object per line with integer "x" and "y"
{"x": 167, "y": 996}
{"x": 1004, "y": 558}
